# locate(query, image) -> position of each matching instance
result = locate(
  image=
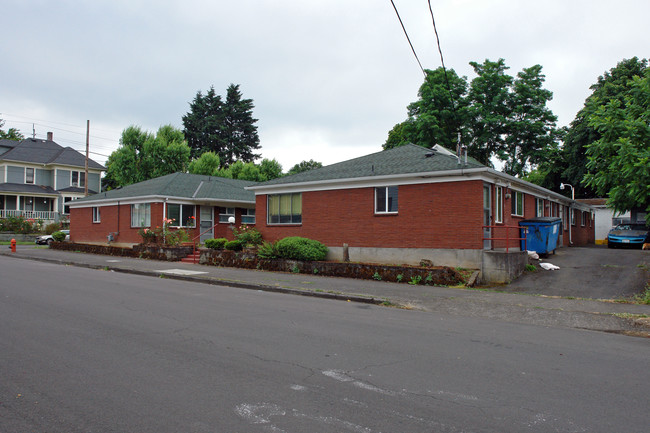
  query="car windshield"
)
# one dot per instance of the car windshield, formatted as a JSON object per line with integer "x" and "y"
{"x": 631, "y": 227}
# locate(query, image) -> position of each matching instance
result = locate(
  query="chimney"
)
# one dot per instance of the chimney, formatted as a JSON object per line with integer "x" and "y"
{"x": 50, "y": 136}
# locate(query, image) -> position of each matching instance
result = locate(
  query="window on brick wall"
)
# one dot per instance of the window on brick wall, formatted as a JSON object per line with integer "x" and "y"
{"x": 225, "y": 213}
{"x": 539, "y": 207}
{"x": 141, "y": 215}
{"x": 386, "y": 199}
{"x": 182, "y": 215}
{"x": 284, "y": 208}
{"x": 517, "y": 203}
{"x": 248, "y": 216}
{"x": 96, "y": 218}
{"x": 583, "y": 218}
{"x": 498, "y": 193}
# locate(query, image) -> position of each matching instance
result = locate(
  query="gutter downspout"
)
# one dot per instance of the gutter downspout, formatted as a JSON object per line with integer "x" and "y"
{"x": 570, "y": 224}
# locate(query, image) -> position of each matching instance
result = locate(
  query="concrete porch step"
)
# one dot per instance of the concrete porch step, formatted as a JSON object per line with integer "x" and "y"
{"x": 192, "y": 258}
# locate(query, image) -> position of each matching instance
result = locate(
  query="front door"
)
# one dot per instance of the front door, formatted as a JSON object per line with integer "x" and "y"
{"x": 487, "y": 217}
{"x": 207, "y": 223}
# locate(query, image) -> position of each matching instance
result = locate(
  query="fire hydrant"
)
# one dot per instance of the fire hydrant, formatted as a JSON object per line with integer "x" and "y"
{"x": 13, "y": 245}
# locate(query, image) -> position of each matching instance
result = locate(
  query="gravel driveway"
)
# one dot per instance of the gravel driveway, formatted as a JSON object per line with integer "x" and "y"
{"x": 594, "y": 272}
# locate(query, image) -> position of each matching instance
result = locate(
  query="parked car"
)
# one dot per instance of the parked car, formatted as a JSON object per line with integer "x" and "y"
{"x": 628, "y": 234}
{"x": 48, "y": 239}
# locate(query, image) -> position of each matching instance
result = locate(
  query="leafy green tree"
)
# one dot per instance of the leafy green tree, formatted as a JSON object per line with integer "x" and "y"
{"x": 304, "y": 166}
{"x": 143, "y": 155}
{"x": 270, "y": 169}
{"x": 619, "y": 161}
{"x": 571, "y": 167}
{"x": 207, "y": 164}
{"x": 532, "y": 132}
{"x": 489, "y": 111}
{"x": 11, "y": 133}
{"x": 436, "y": 117}
{"x": 267, "y": 170}
{"x": 496, "y": 115}
{"x": 226, "y": 128}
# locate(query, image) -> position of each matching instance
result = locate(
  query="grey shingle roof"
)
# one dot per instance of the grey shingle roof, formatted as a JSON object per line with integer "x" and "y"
{"x": 48, "y": 152}
{"x": 400, "y": 160}
{"x": 27, "y": 188}
{"x": 182, "y": 185}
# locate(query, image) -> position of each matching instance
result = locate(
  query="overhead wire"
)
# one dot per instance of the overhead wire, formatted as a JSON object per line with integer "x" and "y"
{"x": 408, "y": 38}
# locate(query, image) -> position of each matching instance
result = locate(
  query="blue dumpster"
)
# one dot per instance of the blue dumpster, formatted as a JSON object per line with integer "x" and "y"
{"x": 542, "y": 234}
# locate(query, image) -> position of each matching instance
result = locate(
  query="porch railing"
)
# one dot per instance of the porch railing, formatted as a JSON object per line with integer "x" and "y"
{"x": 507, "y": 237}
{"x": 29, "y": 214}
{"x": 198, "y": 237}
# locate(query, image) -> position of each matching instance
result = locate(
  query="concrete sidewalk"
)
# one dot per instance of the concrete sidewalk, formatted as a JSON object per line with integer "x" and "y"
{"x": 519, "y": 308}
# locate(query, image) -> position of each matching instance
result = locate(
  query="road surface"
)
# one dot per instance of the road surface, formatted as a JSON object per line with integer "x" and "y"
{"x": 94, "y": 351}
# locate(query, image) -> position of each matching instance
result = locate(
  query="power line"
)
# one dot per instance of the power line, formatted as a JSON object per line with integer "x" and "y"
{"x": 408, "y": 39}
{"x": 442, "y": 60}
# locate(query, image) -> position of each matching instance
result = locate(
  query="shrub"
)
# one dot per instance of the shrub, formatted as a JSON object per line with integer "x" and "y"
{"x": 58, "y": 236}
{"x": 52, "y": 227}
{"x": 248, "y": 235}
{"x": 297, "y": 248}
{"x": 234, "y": 245}
{"x": 216, "y": 244}
{"x": 268, "y": 250}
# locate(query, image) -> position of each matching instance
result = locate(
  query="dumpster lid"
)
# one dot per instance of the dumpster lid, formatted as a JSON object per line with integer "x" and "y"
{"x": 541, "y": 220}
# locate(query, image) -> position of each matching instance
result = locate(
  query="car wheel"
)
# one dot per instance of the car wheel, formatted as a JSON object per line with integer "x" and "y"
{"x": 49, "y": 242}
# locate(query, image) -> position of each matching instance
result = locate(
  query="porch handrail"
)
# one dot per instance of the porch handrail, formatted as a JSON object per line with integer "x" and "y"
{"x": 198, "y": 237}
{"x": 507, "y": 238}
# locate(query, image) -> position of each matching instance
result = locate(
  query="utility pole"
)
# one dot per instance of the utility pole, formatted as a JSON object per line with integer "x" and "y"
{"x": 87, "y": 151}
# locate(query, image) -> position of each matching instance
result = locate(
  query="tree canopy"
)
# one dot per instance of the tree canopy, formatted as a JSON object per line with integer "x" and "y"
{"x": 268, "y": 169}
{"x": 143, "y": 155}
{"x": 11, "y": 133}
{"x": 619, "y": 160}
{"x": 304, "y": 166}
{"x": 496, "y": 115}
{"x": 226, "y": 128}
{"x": 570, "y": 164}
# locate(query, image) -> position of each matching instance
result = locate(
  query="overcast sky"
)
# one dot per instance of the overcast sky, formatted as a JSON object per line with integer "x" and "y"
{"x": 329, "y": 78}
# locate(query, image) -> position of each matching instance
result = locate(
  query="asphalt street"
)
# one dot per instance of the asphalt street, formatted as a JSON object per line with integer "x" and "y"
{"x": 85, "y": 350}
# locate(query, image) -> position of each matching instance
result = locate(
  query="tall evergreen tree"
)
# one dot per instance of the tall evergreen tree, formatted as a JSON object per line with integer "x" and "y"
{"x": 238, "y": 130}
{"x": 226, "y": 128}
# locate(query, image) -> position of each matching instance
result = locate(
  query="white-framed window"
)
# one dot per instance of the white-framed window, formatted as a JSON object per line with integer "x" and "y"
{"x": 517, "y": 203}
{"x": 78, "y": 178}
{"x": 573, "y": 217}
{"x": 563, "y": 216}
{"x": 583, "y": 218}
{"x": 96, "y": 218}
{"x": 182, "y": 215}
{"x": 498, "y": 204}
{"x": 539, "y": 207}
{"x": 225, "y": 213}
{"x": 141, "y": 215}
{"x": 29, "y": 175}
{"x": 386, "y": 199}
{"x": 284, "y": 208}
{"x": 248, "y": 216}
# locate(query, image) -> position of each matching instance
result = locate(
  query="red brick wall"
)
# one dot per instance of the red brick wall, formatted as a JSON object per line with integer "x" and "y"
{"x": 437, "y": 215}
{"x": 82, "y": 229}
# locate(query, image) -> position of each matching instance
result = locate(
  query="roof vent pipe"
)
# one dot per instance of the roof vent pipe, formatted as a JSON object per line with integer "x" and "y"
{"x": 50, "y": 136}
